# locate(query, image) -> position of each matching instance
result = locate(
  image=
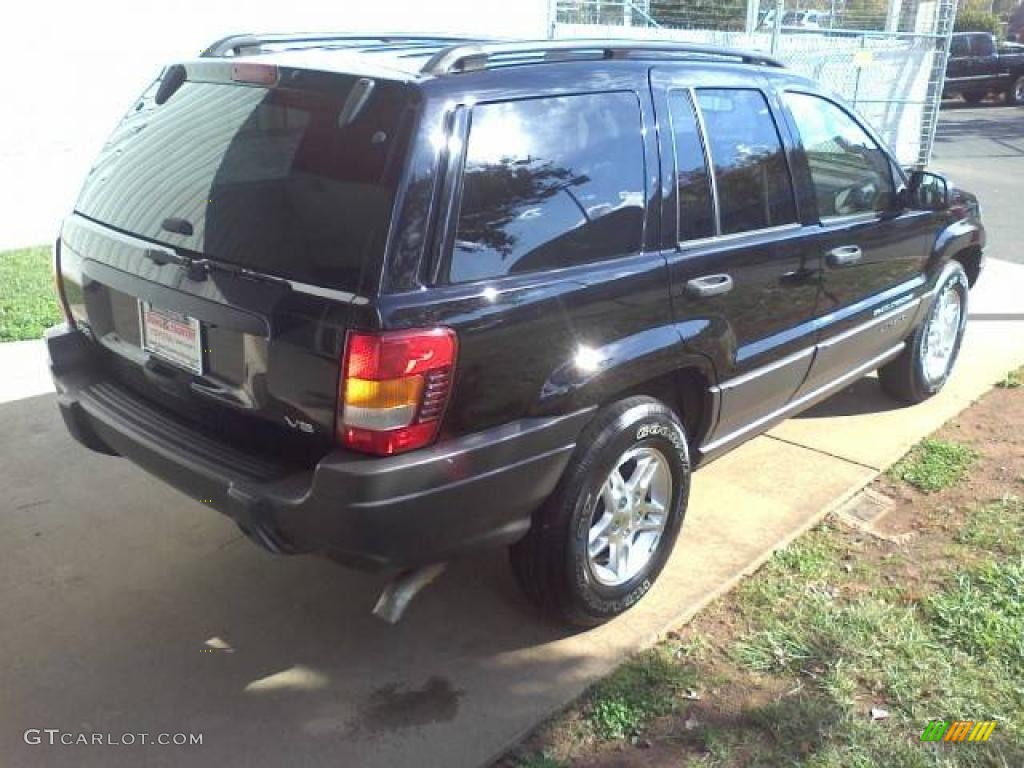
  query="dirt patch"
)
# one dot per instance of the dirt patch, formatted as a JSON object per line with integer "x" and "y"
{"x": 995, "y": 429}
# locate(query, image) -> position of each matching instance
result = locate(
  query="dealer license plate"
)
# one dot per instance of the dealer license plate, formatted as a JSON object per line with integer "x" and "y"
{"x": 172, "y": 336}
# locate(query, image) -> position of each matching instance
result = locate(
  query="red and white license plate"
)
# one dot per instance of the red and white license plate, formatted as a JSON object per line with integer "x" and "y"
{"x": 172, "y": 336}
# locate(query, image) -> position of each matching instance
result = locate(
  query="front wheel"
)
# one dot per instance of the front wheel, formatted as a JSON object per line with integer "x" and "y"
{"x": 1015, "y": 93}
{"x": 930, "y": 353}
{"x": 598, "y": 544}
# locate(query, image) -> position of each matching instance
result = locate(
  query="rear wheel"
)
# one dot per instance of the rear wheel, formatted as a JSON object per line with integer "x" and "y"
{"x": 973, "y": 97}
{"x": 598, "y": 544}
{"x": 1015, "y": 93}
{"x": 923, "y": 367}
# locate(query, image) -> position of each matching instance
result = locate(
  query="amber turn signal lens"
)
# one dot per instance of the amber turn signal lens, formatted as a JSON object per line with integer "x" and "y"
{"x": 390, "y": 393}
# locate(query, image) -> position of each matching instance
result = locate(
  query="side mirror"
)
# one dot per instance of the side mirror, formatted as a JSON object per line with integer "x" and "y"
{"x": 928, "y": 191}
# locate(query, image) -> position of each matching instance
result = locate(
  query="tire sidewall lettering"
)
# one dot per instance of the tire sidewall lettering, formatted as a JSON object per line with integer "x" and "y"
{"x": 601, "y": 600}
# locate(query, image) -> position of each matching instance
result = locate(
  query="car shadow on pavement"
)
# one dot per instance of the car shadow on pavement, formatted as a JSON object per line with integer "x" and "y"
{"x": 130, "y": 607}
{"x": 863, "y": 396}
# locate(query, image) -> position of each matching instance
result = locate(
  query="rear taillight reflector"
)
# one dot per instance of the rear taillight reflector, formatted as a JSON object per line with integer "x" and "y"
{"x": 394, "y": 389}
{"x": 58, "y": 280}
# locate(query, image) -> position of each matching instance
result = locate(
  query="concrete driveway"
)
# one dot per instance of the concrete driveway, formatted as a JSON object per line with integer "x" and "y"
{"x": 127, "y": 608}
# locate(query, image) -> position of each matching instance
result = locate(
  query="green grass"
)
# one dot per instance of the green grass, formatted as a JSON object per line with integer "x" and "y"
{"x": 539, "y": 760}
{"x": 955, "y": 653}
{"x": 27, "y": 302}
{"x": 838, "y": 634}
{"x": 983, "y": 614}
{"x": 934, "y": 464}
{"x": 997, "y": 527}
{"x": 1012, "y": 380}
{"x": 642, "y": 688}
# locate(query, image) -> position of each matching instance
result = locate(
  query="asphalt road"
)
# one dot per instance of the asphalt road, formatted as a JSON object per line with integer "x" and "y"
{"x": 982, "y": 149}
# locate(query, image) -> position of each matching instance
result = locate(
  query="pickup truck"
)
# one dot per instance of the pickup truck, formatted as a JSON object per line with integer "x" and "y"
{"x": 978, "y": 66}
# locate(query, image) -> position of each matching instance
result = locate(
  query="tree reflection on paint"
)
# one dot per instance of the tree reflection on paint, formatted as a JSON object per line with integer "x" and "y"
{"x": 550, "y": 183}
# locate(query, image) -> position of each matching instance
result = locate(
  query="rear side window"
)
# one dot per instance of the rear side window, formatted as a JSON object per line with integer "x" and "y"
{"x": 958, "y": 46}
{"x": 982, "y": 45}
{"x": 268, "y": 179}
{"x": 751, "y": 175}
{"x": 851, "y": 173}
{"x": 550, "y": 183}
{"x": 693, "y": 188}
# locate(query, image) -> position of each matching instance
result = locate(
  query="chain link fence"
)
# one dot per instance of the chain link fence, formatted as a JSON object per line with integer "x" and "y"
{"x": 885, "y": 57}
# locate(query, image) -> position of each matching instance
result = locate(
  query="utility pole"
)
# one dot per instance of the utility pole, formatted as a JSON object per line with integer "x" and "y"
{"x": 892, "y": 19}
{"x": 753, "y": 11}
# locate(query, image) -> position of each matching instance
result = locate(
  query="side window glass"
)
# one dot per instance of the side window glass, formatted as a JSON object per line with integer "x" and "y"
{"x": 693, "y": 188}
{"x": 958, "y": 47}
{"x": 751, "y": 175}
{"x": 982, "y": 45}
{"x": 851, "y": 174}
{"x": 550, "y": 183}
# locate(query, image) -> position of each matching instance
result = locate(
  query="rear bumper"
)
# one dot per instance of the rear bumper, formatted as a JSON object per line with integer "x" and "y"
{"x": 464, "y": 494}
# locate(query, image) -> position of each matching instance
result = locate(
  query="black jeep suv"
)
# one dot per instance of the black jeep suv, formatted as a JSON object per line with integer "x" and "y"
{"x": 390, "y": 299}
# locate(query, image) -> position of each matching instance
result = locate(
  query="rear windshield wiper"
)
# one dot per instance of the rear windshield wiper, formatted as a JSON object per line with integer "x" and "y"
{"x": 200, "y": 267}
{"x": 161, "y": 256}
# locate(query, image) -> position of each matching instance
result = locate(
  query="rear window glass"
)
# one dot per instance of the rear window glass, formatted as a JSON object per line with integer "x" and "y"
{"x": 265, "y": 178}
{"x": 751, "y": 174}
{"x": 550, "y": 183}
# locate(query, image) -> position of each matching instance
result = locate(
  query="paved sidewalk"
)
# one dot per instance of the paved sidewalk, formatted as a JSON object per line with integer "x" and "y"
{"x": 24, "y": 368}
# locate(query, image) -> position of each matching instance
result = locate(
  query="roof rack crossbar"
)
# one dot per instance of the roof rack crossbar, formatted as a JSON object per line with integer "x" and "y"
{"x": 238, "y": 45}
{"x": 466, "y": 57}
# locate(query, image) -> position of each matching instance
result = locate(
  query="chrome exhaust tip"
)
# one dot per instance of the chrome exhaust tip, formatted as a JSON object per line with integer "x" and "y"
{"x": 399, "y": 592}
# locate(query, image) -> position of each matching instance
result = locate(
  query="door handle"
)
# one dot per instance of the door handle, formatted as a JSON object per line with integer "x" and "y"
{"x": 709, "y": 285}
{"x": 843, "y": 256}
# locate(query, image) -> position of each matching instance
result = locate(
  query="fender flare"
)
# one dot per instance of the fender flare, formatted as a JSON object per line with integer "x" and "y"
{"x": 951, "y": 240}
{"x": 598, "y": 375}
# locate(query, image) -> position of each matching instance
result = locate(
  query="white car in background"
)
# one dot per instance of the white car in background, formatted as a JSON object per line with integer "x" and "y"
{"x": 799, "y": 20}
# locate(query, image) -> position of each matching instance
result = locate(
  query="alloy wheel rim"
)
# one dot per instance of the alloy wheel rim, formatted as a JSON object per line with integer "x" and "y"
{"x": 628, "y": 518}
{"x": 941, "y": 334}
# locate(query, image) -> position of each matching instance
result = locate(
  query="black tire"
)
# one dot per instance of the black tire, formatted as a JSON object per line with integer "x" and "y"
{"x": 551, "y": 563}
{"x": 973, "y": 97}
{"x": 905, "y": 377}
{"x": 1015, "y": 93}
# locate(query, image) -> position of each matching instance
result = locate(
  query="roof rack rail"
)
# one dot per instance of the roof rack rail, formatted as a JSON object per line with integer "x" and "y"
{"x": 242, "y": 44}
{"x": 470, "y": 56}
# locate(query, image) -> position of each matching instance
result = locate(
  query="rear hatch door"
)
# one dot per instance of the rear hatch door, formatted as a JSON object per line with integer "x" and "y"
{"x": 228, "y": 234}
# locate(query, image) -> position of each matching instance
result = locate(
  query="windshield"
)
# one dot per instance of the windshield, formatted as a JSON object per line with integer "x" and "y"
{"x": 265, "y": 178}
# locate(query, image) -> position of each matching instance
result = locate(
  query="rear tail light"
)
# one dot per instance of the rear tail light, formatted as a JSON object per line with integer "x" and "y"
{"x": 394, "y": 389}
{"x": 62, "y": 298}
